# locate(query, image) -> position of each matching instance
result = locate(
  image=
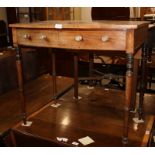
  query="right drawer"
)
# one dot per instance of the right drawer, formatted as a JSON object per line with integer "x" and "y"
{"x": 93, "y": 40}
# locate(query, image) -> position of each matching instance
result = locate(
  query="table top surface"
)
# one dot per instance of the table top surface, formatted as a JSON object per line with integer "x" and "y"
{"x": 101, "y": 24}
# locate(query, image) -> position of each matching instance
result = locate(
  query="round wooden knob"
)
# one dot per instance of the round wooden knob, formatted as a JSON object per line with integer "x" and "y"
{"x": 78, "y": 38}
{"x": 105, "y": 38}
{"x": 43, "y": 37}
{"x": 26, "y": 16}
{"x": 27, "y": 36}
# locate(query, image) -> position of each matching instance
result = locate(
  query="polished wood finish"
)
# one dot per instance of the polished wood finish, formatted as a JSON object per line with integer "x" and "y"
{"x": 135, "y": 81}
{"x": 93, "y": 40}
{"x": 87, "y": 25}
{"x": 36, "y": 98}
{"x": 34, "y": 38}
{"x": 38, "y": 93}
{"x": 118, "y": 36}
{"x": 20, "y": 83}
{"x": 128, "y": 93}
{"x": 85, "y": 35}
{"x": 96, "y": 115}
{"x": 148, "y": 129}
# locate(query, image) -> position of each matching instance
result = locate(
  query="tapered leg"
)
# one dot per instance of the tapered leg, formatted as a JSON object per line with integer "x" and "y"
{"x": 75, "y": 75}
{"x": 128, "y": 93}
{"x": 54, "y": 85}
{"x": 134, "y": 88}
{"x": 91, "y": 61}
{"x": 20, "y": 83}
{"x": 143, "y": 81}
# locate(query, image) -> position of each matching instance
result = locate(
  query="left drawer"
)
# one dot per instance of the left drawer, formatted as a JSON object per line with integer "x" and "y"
{"x": 38, "y": 38}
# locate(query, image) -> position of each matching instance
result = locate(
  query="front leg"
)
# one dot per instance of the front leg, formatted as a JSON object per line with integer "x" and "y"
{"x": 128, "y": 95}
{"x": 134, "y": 88}
{"x": 20, "y": 83}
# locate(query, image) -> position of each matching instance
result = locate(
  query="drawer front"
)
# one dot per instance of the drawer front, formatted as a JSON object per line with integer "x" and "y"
{"x": 39, "y": 38}
{"x": 93, "y": 40}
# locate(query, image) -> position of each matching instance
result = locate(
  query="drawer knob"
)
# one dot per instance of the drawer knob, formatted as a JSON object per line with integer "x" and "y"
{"x": 78, "y": 38}
{"x": 43, "y": 37}
{"x": 27, "y": 36}
{"x": 104, "y": 38}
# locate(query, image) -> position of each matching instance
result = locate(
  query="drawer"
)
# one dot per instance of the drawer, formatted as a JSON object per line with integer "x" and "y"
{"x": 93, "y": 40}
{"x": 38, "y": 38}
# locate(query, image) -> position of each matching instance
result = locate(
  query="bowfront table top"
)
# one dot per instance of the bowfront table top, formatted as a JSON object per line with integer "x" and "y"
{"x": 101, "y": 24}
{"x": 94, "y": 35}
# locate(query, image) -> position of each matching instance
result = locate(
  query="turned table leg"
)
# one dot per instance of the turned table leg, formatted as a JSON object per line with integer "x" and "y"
{"x": 76, "y": 76}
{"x": 91, "y": 62}
{"x": 134, "y": 88}
{"x": 20, "y": 83}
{"x": 54, "y": 85}
{"x": 128, "y": 94}
{"x": 143, "y": 81}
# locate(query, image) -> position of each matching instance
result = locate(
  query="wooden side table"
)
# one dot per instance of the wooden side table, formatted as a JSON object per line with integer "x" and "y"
{"x": 126, "y": 36}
